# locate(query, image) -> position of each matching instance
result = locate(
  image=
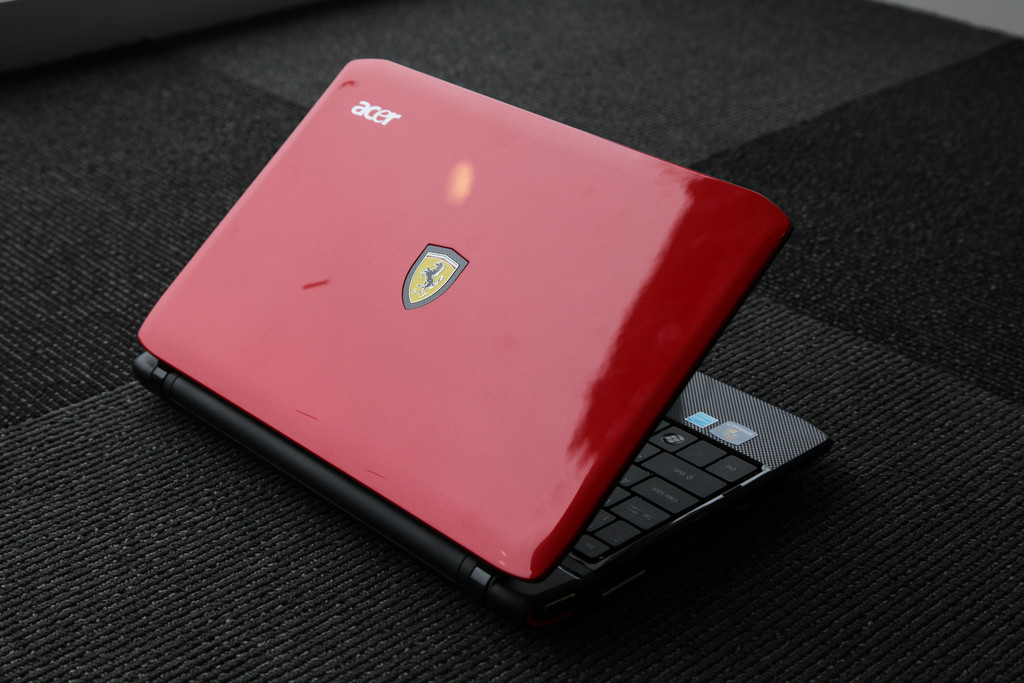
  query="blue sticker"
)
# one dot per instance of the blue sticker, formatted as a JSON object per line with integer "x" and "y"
{"x": 701, "y": 419}
{"x": 734, "y": 432}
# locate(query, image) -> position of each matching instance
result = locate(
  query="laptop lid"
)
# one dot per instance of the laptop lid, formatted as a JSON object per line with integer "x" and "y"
{"x": 471, "y": 310}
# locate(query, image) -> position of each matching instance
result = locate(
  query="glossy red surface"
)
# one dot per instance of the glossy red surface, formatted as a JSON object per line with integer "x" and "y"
{"x": 501, "y": 412}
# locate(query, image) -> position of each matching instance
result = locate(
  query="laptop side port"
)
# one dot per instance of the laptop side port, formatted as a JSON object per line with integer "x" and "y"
{"x": 559, "y": 608}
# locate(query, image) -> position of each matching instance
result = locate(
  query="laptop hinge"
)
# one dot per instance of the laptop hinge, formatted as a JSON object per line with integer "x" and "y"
{"x": 473, "y": 579}
{"x": 148, "y": 371}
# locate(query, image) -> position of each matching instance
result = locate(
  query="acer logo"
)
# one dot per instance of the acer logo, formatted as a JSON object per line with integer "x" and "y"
{"x": 374, "y": 113}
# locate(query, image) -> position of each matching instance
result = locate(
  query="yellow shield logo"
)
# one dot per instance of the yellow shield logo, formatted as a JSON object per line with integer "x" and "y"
{"x": 431, "y": 275}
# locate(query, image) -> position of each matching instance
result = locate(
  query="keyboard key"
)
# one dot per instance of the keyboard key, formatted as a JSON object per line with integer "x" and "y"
{"x": 701, "y": 453}
{"x": 590, "y": 548}
{"x": 663, "y": 494}
{"x": 731, "y": 468}
{"x": 639, "y": 512}
{"x": 672, "y": 439}
{"x": 633, "y": 475}
{"x": 618, "y": 495}
{"x": 648, "y": 451}
{"x": 617, "y": 533}
{"x": 602, "y": 518}
{"x": 685, "y": 475}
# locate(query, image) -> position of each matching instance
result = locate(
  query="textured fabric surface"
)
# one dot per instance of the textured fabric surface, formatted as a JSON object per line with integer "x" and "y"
{"x": 137, "y": 544}
{"x": 912, "y": 237}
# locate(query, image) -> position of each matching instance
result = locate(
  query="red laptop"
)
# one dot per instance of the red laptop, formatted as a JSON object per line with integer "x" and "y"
{"x": 476, "y": 330}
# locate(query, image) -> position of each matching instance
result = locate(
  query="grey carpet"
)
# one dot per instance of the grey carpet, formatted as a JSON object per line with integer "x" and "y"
{"x": 136, "y": 544}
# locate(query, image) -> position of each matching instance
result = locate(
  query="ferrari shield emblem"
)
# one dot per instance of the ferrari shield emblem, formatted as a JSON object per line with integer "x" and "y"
{"x": 431, "y": 275}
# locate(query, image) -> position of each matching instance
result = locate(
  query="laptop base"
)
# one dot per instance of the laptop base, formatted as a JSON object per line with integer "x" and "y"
{"x": 670, "y": 485}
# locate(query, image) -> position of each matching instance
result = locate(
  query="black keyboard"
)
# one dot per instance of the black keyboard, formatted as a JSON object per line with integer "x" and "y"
{"x": 675, "y": 472}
